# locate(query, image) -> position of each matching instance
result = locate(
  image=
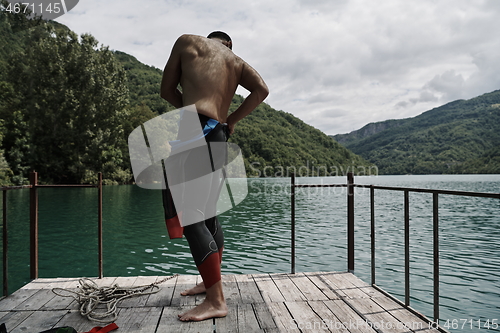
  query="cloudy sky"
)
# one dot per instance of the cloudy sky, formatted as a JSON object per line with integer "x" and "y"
{"x": 335, "y": 64}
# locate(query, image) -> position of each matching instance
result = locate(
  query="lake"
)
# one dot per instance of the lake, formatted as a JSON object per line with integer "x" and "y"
{"x": 257, "y": 237}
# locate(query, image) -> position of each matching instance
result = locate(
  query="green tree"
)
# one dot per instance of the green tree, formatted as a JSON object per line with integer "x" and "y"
{"x": 66, "y": 109}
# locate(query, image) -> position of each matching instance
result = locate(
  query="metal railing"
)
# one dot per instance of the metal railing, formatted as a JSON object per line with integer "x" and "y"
{"x": 34, "y": 186}
{"x": 351, "y": 239}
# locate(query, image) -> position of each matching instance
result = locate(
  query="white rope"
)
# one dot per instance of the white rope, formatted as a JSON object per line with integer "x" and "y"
{"x": 90, "y": 296}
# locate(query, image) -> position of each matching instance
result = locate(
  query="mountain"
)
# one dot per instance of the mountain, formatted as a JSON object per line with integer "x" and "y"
{"x": 459, "y": 137}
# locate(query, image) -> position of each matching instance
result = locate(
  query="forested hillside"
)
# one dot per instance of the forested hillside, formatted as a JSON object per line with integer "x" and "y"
{"x": 460, "y": 137}
{"x": 67, "y": 105}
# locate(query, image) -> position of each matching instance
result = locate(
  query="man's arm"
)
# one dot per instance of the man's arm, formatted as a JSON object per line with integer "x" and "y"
{"x": 253, "y": 82}
{"x": 172, "y": 75}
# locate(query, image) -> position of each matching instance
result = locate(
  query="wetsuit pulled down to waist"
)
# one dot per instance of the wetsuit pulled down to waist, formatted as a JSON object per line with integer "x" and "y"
{"x": 193, "y": 171}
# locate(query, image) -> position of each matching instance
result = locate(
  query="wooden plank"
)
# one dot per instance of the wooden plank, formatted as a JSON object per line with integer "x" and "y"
{"x": 231, "y": 290}
{"x": 267, "y": 288}
{"x": 307, "y": 287}
{"x": 247, "y": 321}
{"x": 139, "y": 300}
{"x": 332, "y": 286}
{"x": 39, "y": 321}
{"x": 365, "y": 306}
{"x": 169, "y": 322}
{"x": 249, "y": 291}
{"x": 60, "y": 303}
{"x": 230, "y": 322}
{"x": 322, "y": 285}
{"x": 287, "y": 288}
{"x": 13, "y": 319}
{"x": 411, "y": 320}
{"x": 328, "y": 318}
{"x": 386, "y": 323}
{"x": 183, "y": 282}
{"x": 304, "y": 318}
{"x": 341, "y": 280}
{"x": 281, "y": 316}
{"x": 264, "y": 316}
{"x": 36, "y": 301}
{"x": 16, "y": 299}
{"x": 355, "y": 293}
{"x": 74, "y": 319}
{"x": 348, "y": 318}
{"x": 164, "y": 296}
{"x": 138, "y": 320}
{"x": 387, "y": 303}
{"x": 356, "y": 281}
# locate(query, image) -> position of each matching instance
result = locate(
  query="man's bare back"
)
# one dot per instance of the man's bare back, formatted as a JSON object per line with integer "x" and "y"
{"x": 209, "y": 73}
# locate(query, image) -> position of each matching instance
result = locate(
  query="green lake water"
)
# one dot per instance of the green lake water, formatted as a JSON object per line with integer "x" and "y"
{"x": 257, "y": 237}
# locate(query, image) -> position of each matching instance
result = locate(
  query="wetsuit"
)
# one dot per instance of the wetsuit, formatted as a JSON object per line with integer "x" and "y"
{"x": 205, "y": 238}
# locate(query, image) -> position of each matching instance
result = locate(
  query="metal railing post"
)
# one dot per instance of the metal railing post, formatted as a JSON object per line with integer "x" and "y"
{"x": 350, "y": 222}
{"x": 435, "y": 227}
{"x": 99, "y": 224}
{"x": 5, "y": 246}
{"x": 372, "y": 218}
{"x": 292, "y": 202}
{"x": 407, "y": 246}
{"x": 33, "y": 226}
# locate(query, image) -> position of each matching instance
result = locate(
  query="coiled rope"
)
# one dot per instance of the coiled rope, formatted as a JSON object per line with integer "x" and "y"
{"x": 90, "y": 296}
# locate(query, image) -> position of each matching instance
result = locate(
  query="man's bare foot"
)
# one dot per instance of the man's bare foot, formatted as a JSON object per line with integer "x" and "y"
{"x": 204, "y": 311}
{"x": 198, "y": 289}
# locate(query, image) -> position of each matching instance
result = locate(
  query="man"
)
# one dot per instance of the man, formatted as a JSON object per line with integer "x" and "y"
{"x": 209, "y": 73}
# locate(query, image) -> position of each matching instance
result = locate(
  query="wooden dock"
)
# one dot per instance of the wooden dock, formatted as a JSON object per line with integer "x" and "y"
{"x": 302, "y": 302}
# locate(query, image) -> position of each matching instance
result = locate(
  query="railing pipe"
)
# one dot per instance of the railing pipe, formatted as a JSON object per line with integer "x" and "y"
{"x": 292, "y": 202}
{"x": 407, "y": 246}
{"x": 372, "y": 218}
{"x": 350, "y": 222}
{"x": 99, "y": 224}
{"x": 435, "y": 222}
{"x": 5, "y": 233}
{"x": 33, "y": 226}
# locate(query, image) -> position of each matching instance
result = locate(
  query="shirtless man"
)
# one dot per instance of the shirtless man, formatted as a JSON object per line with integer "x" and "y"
{"x": 209, "y": 73}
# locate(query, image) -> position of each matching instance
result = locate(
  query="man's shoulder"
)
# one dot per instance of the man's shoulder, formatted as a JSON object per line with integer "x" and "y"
{"x": 187, "y": 39}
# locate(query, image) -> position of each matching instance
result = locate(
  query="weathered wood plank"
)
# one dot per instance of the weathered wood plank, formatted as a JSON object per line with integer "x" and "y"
{"x": 184, "y": 282}
{"x": 316, "y": 279}
{"x": 230, "y": 322}
{"x": 348, "y": 317}
{"x": 74, "y": 319}
{"x": 13, "y": 319}
{"x": 140, "y": 320}
{"x": 169, "y": 322}
{"x": 365, "y": 306}
{"x": 247, "y": 321}
{"x": 329, "y": 319}
{"x": 307, "y": 287}
{"x": 281, "y": 316}
{"x": 36, "y": 301}
{"x": 304, "y": 318}
{"x": 267, "y": 288}
{"x": 165, "y": 295}
{"x": 264, "y": 316}
{"x": 386, "y": 323}
{"x": 287, "y": 288}
{"x": 39, "y": 321}
{"x": 231, "y": 290}
{"x": 138, "y": 301}
{"x": 249, "y": 291}
{"x": 16, "y": 299}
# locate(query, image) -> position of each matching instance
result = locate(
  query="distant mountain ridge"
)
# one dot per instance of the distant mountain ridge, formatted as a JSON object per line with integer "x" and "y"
{"x": 462, "y": 136}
